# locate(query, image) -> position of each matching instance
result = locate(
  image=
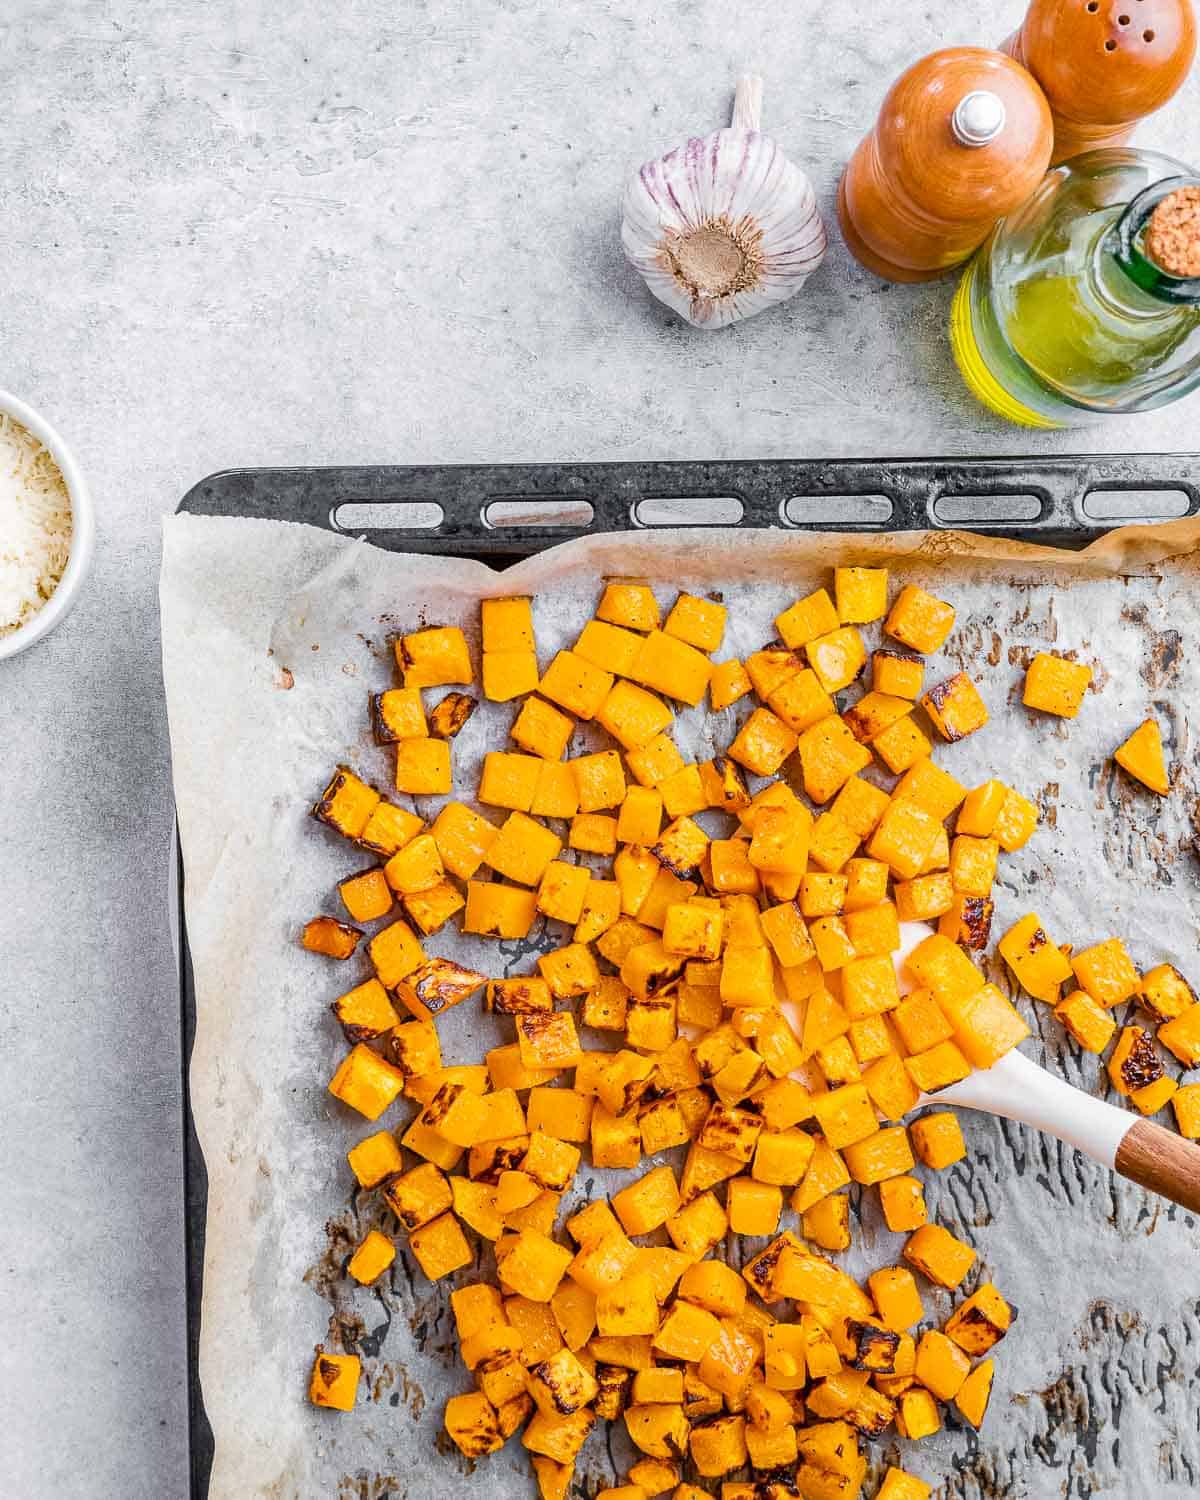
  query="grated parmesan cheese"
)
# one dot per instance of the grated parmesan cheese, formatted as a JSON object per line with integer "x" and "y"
{"x": 35, "y": 525}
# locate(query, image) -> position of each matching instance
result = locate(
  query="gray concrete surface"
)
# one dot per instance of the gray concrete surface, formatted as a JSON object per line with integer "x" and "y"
{"x": 259, "y": 233}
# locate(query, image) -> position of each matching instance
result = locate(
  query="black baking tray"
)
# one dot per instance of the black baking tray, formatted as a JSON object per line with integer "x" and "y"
{"x": 500, "y": 513}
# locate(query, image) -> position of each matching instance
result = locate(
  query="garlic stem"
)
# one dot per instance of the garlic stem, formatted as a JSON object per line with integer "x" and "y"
{"x": 747, "y": 103}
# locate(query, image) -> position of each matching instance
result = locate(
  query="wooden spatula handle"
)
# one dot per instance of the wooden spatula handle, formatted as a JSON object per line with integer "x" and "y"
{"x": 1162, "y": 1161}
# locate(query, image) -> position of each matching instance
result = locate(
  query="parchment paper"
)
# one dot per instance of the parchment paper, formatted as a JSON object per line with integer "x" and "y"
{"x": 1097, "y": 1387}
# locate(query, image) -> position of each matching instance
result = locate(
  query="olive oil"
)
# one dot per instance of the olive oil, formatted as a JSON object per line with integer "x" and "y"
{"x": 1078, "y": 305}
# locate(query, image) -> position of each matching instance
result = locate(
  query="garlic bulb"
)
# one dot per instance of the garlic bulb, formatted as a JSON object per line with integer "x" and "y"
{"x": 724, "y": 225}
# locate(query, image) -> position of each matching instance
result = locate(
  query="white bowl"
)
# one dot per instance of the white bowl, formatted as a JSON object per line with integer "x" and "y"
{"x": 83, "y": 532}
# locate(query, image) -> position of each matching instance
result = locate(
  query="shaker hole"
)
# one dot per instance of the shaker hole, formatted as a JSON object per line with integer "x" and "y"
{"x": 1147, "y": 36}
{"x": 1093, "y": 6}
{"x": 1122, "y": 20}
{"x": 1110, "y": 45}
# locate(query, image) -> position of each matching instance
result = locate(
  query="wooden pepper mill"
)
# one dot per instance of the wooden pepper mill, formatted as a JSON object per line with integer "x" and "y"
{"x": 1104, "y": 64}
{"x": 962, "y": 138}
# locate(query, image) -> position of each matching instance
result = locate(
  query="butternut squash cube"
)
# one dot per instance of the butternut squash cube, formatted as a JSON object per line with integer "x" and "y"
{"x": 810, "y": 617}
{"x": 462, "y": 838}
{"x": 967, "y": 921}
{"x": 837, "y": 658}
{"x": 1181, "y": 1036}
{"x": 398, "y": 714}
{"x": 939, "y": 1256}
{"x": 389, "y": 828}
{"x": 838, "y": 1063}
{"x": 693, "y": 931}
{"x": 423, "y": 767}
{"x": 870, "y": 1039}
{"x": 534, "y": 1266}
{"x": 436, "y": 986}
{"x": 699, "y": 622}
{"x": 892, "y": 1091}
{"x": 681, "y": 848}
{"x": 508, "y": 675}
{"x": 593, "y": 833}
{"x": 509, "y": 780}
{"x": 905, "y": 835}
{"x": 973, "y": 864}
{"x": 346, "y": 803}
{"x": 431, "y": 909}
{"x": 884, "y": 1154}
{"x": 437, "y": 657}
{"x": 937, "y": 1140}
{"x": 698, "y": 1226}
{"x": 645, "y": 1205}
{"x": 632, "y": 605}
{"x": 861, "y": 594}
{"x": 600, "y": 911}
{"x": 1186, "y": 1103}
{"x": 901, "y": 745}
{"x": 942, "y": 967}
{"x": 903, "y": 1202}
{"x": 980, "y": 810}
{"x": 986, "y": 1024}
{"x": 365, "y": 1012}
{"x": 874, "y": 713}
{"x": 1107, "y": 973}
{"x": 719, "y": 1446}
{"x": 784, "y": 1359}
{"x": 542, "y": 730}
{"x": 827, "y": 1223}
{"x": 975, "y": 1393}
{"x": 416, "y": 867}
{"x": 562, "y": 889}
{"x": 1090, "y": 1024}
{"x": 375, "y": 1158}
{"x": 365, "y": 1082}
{"x": 980, "y": 1322}
{"x": 1134, "y": 1063}
{"x": 919, "y": 621}
{"x": 371, "y": 1259}
{"x": 1165, "y": 993}
{"x": 609, "y": 646}
{"x": 845, "y": 1116}
{"x": 499, "y": 911}
{"x": 334, "y": 1382}
{"x": 1016, "y": 823}
{"x": 556, "y": 794}
{"x": 801, "y": 701}
{"x": 616, "y": 1139}
{"x": 873, "y": 931}
{"x": 1142, "y": 756}
{"x": 455, "y": 1113}
{"x": 640, "y": 818}
{"x": 897, "y": 675}
{"x": 832, "y": 942}
{"x": 547, "y": 1039}
{"x": 659, "y": 1430}
{"x": 1056, "y": 686}
{"x": 366, "y": 897}
{"x": 561, "y": 1385}
{"x": 937, "y": 1068}
{"x": 771, "y": 667}
{"x": 763, "y": 743}
{"x": 770, "y": 1450}
{"x": 900, "y": 1485}
{"x": 941, "y": 1365}
{"x": 897, "y": 1298}
{"x": 917, "y": 1415}
{"x": 440, "y": 1247}
{"x": 729, "y": 682}
{"x": 522, "y": 849}
{"x": 955, "y": 708}
{"x": 920, "y": 1022}
{"x": 670, "y": 666}
{"x": 869, "y": 987}
{"x": 1038, "y": 965}
{"x": 833, "y": 842}
{"x": 724, "y": 785}
{"x": 683, "y": 792}
{"x": 653, "y": 763}
{"x": 576, "y": 685}
{"x": 558, "y": 1438}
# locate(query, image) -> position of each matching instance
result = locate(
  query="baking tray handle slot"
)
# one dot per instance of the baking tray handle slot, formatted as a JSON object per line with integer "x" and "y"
{"x": 868, "y": 511}
{"x": 563, "y": 512}
{"x": 1143, "y": 504}
{"x": 357, "y": 516}
{"x": 1000, "y": 509}
{"x": 688, "y": 510}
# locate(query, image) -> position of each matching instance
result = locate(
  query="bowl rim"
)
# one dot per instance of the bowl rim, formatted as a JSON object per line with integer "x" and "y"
{"x": 83, "y": 529}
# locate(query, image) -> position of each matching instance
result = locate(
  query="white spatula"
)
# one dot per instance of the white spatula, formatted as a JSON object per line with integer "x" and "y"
{"x": 1018, "y": 1089}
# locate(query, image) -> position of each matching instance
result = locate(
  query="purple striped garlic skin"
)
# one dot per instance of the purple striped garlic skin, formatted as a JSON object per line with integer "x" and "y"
{"x": 723, "y": 226}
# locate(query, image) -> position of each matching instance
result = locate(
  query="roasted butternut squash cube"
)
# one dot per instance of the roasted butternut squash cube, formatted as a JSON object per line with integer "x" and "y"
{"x": 1181, "y": 1036}
{"x": 874, "y": 713}
{"x": 1090, "y": 1024}
{"x": 801, "y": 700}
{"x": 937, "y": 1140}
{"x": 509, "y": 780}
{"x": 837, "y": 658}
{"x": 414, "y": 1049}
{"x": 827, "y": 1223}
{"x": 902, "y": 745}
{"x": 903, "y": 1203}
{"x": 534, "y": 1265}
{"x": 609, "y": 646}
{"x": 869, "y": 987}
{"x": 576, "y": 685}
{"x": 884, "y": 1154}
{"x": 870, "y": 1039}
{"x": 561, "y": 1384}
{"x": 955, "y": 708}
{"x": 1134, "y": 1063}
{"x": 919, "y": 621}
{"x": 542, "y": 729}
{"x": 939, "y": 1256}
{"x": 423, "y": 767}
{"x": 507, "y": 624}
{"x": 375, "y": 1159}
{"x": 1107, "y": 973}
{"x": 1016, "y": 822}
{"x": 556, "y": 794}
{"x": 365, "y": 1012}
{"x": 372, "y": 1258}
{"x": 986, "y": 1024}
{"x": 845, "y": 1116}
{"x": 389, "y": 828}
{"x": 980, "y": 809}
{"x": 699, "y": 622}
{"x": 833, "y": 842}
{"x": 660, "y": 1430}
{"x": 937, "y": 1068}
{"x": 334, "y": 1382}
{"x": 346, "y": 803}
{"x": 1186, "y": 1104}
{"x": 1142, "y": 756}
{"x": 729, "y": 682}
{"x": 683, "y": 792}
{"x": 616, "y": 1140}
{"x": 508, "y": 675}
{"x": 398, "y": 714}
{"x": 943, "y": 968}
{"x": 523, "y": 849}
{"x": 975, "y": 1393}
{"x": 366, "y": 1082}
{"x": 431, "y": 909}
{"x": 897, "y": 1298}
{"x": 499, "y": 911}
{"x": 719, "y": 1446}
{"x": 681, "y": 848}
{"x": 652, "y": 764}
{"x": 941, "y": 1365}
{"x": 687, "y": 1331}
{"x": 832, "y": 942}
{"x": 632, "y": 605}
{"x": 657, "y": 1387}
{"x": 838, "y": 1063}
{"x": 900, "y": 1485}
{"x": 670, "y": 666}
{"x": 437, "y": 657}
{"x": 366, "y": 898}
{"x": 807, "y": 619}
{"x": 558, "y": 1438}
{"x": 861, "y": 594}
{"x": 416, "y": 867}
{"x": 763, "y": 743}
{"x": 973, "y": 864}
{"x": 920, "y": 1022}
{"x": 892, "y": 1091}
{"x": 640, "y": 818}
{"x": 662, "y": 1125}
{"x": 980, "y": 1322}
{"x": 455, "y": 1113}
{"x": 967, "y": 921}
{"x": 440, "y": 1247}
{"x": 698, "y": 1226}
{"x": 562, "y": 1113}
{"x": 547, "y": 1039}
{"x": 873, "y": 931}
{"x": 917, "y": 1415}
{"x": 693, "y": 931}
{"x": 905, "y": 835}
{"x": 1055, "y": 685}
{"x": 1165, "y": 993}
{"x": 1038, "y": 965}
{"x": 633, "y": 716}
{"x": 897, "y": 675}
{"x": 436, "y": 986}
{"x": 747, "y": 976}
{"x": 462, "y": 838}
{"x": 562, "y": 889}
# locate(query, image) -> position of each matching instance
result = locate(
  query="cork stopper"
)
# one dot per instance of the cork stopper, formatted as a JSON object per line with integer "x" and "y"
{"x": 1173, "y": 234}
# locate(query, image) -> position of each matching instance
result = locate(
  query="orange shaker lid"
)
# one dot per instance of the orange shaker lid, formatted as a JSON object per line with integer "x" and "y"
{"x": 1109, "y": 61}
{"x": 966, "y": 133}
